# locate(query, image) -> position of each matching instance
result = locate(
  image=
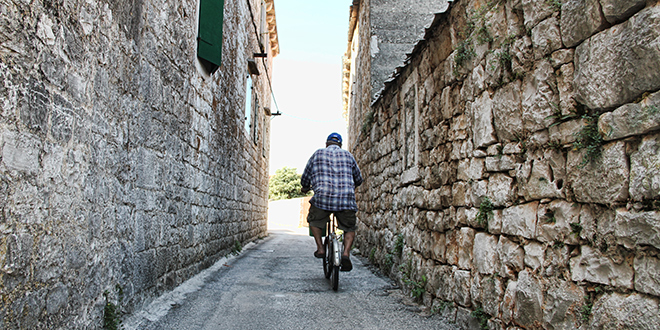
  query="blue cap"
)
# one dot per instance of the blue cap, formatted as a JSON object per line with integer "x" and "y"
{"x": 334, "y": 137}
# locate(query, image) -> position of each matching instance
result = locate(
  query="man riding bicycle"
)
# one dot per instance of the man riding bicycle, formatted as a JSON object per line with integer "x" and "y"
{"x": 332, "y": 173}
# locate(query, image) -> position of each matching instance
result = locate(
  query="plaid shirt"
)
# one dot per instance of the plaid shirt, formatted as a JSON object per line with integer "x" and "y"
{"x": 333, "y": 174}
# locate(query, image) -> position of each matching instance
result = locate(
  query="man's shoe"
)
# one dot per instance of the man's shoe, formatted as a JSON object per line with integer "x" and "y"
{"x": 346, "y": 265}
{"x": 319, "y": 255}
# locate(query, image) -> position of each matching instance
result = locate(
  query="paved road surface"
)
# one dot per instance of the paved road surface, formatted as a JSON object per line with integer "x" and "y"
{"x": 276, "y": 283}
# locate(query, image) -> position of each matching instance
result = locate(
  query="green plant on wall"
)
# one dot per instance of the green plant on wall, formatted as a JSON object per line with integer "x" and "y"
{"x": 589, "y": 139}
{"x": 367, "y": 123}
{"x": 485, "y": 212}
{"x": 112, "y": 311}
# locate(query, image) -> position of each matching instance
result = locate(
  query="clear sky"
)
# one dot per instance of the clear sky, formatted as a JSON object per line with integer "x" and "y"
{"x": 313, "y": 36}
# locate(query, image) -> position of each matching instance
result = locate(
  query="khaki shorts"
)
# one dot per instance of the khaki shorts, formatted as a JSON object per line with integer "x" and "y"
{"x": 319, "y": 218}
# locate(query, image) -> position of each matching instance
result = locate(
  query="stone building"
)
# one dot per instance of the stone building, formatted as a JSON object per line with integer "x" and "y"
{"x": 511, "y": 164}
{"x": 134, "y": 142}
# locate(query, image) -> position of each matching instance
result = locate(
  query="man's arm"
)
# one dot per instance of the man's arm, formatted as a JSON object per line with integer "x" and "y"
{"x": 306, "y": 178}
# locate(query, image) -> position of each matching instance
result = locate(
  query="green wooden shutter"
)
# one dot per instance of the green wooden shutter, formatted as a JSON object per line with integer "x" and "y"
{"x": 209, "y": 41}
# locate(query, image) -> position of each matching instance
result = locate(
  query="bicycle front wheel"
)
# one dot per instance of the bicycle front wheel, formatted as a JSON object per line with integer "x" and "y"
{"x": 334, "y": 278}
{"x": 327, "y": 265}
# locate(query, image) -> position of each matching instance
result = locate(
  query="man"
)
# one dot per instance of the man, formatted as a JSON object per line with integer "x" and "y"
{"x": 333, "y": 174}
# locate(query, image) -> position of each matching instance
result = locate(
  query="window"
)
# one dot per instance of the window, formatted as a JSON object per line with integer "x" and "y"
{"x": 209, "y": 35}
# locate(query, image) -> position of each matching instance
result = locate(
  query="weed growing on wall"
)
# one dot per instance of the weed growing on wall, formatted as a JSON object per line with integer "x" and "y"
{"x": 368, "y": 122}
{"x": 237, "y": 248}
{"x": 485, "y": 212}
{"x": 481, "y": 316}
{"x": 111, "y": 311}
{"x": 589, "y": 139}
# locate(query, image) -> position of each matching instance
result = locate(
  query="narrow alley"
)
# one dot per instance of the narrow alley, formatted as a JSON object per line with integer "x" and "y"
{"x": 276, "y": 283}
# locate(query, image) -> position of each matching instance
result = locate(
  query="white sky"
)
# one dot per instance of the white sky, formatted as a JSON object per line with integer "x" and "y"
{"x": 313, "y": 36}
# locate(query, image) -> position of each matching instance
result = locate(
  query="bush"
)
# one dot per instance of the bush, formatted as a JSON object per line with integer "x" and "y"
{"x": 285, "y": 184}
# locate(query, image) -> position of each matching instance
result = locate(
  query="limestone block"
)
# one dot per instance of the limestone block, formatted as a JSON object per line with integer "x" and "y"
{"x": 645, "y": 169}
{"x": 566, "y": 132}
{"x": 486, "y": 259}
{"x": 459, "y": 193}
{"x": 495, "y": 222}
{"x": 522, "y": 55}
{"x": 647, "y": 275}
{"x": 535, "y": 12}
{"x": 637, "y": 228}
{"x": 546, "y": 37}
{"x": 616, "y": 11}
{"x": 538, "y": 96}
{"x": 520, "y": 220}
{"x": 580, "y": 19}
{"x": 555, "y": 221}
{"x": 507, "y": 111}
{"x": 482, "y": 114}
{"x": 561, "y": 57}
{"x": 592, "y": 266}
{"x": 565, "y": 88}
{"x": 500, "y": 163}
{"x": 459, "y": 247}
{"x": 542, "y": 183}
{"x": 625, "y": 311}
{"x": 511, "y": 256}
{"x": 438, "y": 246}
{"x": 20, "y": 152}
{"x": 444, "y": 279}
{"x": 562, "y": 306}
{"x": 617, "y": 65}
{"x": 501, "y": 190}
{"x": 509, "y": 301}
{"x": 492, "y": 292}
{"x": 461, "y": 287}
{"x": 534, "y": 255}
{"x": 458, "y": 128}
{"x": 604, "y": 180}
{"x": 631, "y": 119}
{"x": 529, "y": 300}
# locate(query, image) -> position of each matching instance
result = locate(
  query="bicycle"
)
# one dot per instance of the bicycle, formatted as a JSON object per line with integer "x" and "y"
{"x": 332, "y": 259}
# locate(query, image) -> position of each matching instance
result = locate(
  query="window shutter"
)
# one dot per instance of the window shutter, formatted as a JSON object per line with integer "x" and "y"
{"x": 209, "y": 41}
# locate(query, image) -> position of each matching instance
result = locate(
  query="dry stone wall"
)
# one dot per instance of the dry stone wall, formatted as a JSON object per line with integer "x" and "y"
{"x": 122, "y": 165}
{"x": 512, "y": 166}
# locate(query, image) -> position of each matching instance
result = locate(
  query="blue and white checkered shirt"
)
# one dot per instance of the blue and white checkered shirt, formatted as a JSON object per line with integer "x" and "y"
{"x": 333, "y": 174}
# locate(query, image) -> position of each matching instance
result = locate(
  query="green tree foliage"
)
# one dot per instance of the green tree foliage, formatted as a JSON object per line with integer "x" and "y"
{"x": 285, "y": 184}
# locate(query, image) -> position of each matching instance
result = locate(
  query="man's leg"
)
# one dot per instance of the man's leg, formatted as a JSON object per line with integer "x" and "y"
{"x": 349, "y": 236}
{"x": 318, "y": 232}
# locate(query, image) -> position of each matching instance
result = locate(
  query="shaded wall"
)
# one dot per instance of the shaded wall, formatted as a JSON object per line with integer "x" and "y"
{"x": 123, "y": 166}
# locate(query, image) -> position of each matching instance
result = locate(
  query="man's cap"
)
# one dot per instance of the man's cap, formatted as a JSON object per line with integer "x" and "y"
{"x": 334, "y": 137}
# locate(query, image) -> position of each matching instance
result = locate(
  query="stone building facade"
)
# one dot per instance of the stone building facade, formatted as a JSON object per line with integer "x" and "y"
{"x": 127, "y": 165}
{"x": 512, "y": 165}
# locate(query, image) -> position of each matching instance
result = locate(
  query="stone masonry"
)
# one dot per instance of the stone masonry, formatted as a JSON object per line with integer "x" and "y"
{"x": 124, "y": 167}
{"x": 512, "y": 164}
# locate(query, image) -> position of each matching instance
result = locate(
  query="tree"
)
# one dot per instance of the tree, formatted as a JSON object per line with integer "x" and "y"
{"x": 285, "y": 184}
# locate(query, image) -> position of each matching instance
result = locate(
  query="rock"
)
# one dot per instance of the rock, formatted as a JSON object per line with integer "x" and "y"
{"x": 637, "y": 228}
{"x": 492, "y": 291}
{"x": 546, "y": 37}
{"x": 616, "y": 11}
{"x": 555, "y": 221}
{"x": 507, "y": 111}
{"x": 594, "y": 267}
{"x": 645, "y": 169}
{"x": 580, "y": 19}
{"x": 460, "y": 245}
{"x": 617, "y": 65}
{"x": 461, "y": 287}
{"x": 511, "y": 257}
{"x": 631, "y": 119}
{"x": 528, "y": 310}
{"x": 617, "y": 311}
{"x": 647, "y": 275}
{"x": 520, "y": 220}
{"x": 542, "y": 183}
{"x": 562, "y": 306}
{"x": 485, "y": 254}
{"x": 536, "y": 11}
{"x": 482, "y": 114}
{"x": 501, "y": 190}
{"x": 604, "y": 180}
{"x": 509, "y": 301}
{"x": 500, "y": 163}
{"x": 538, "y": 96}
{"x": 534, "y": 255}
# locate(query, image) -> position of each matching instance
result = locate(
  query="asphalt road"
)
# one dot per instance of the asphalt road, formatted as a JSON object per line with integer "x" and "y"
{"x": 276, "y": 283}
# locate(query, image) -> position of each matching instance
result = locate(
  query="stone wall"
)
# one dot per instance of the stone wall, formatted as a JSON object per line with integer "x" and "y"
{"x": 123, "y": 165}
{"x": 511, "y": 167}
